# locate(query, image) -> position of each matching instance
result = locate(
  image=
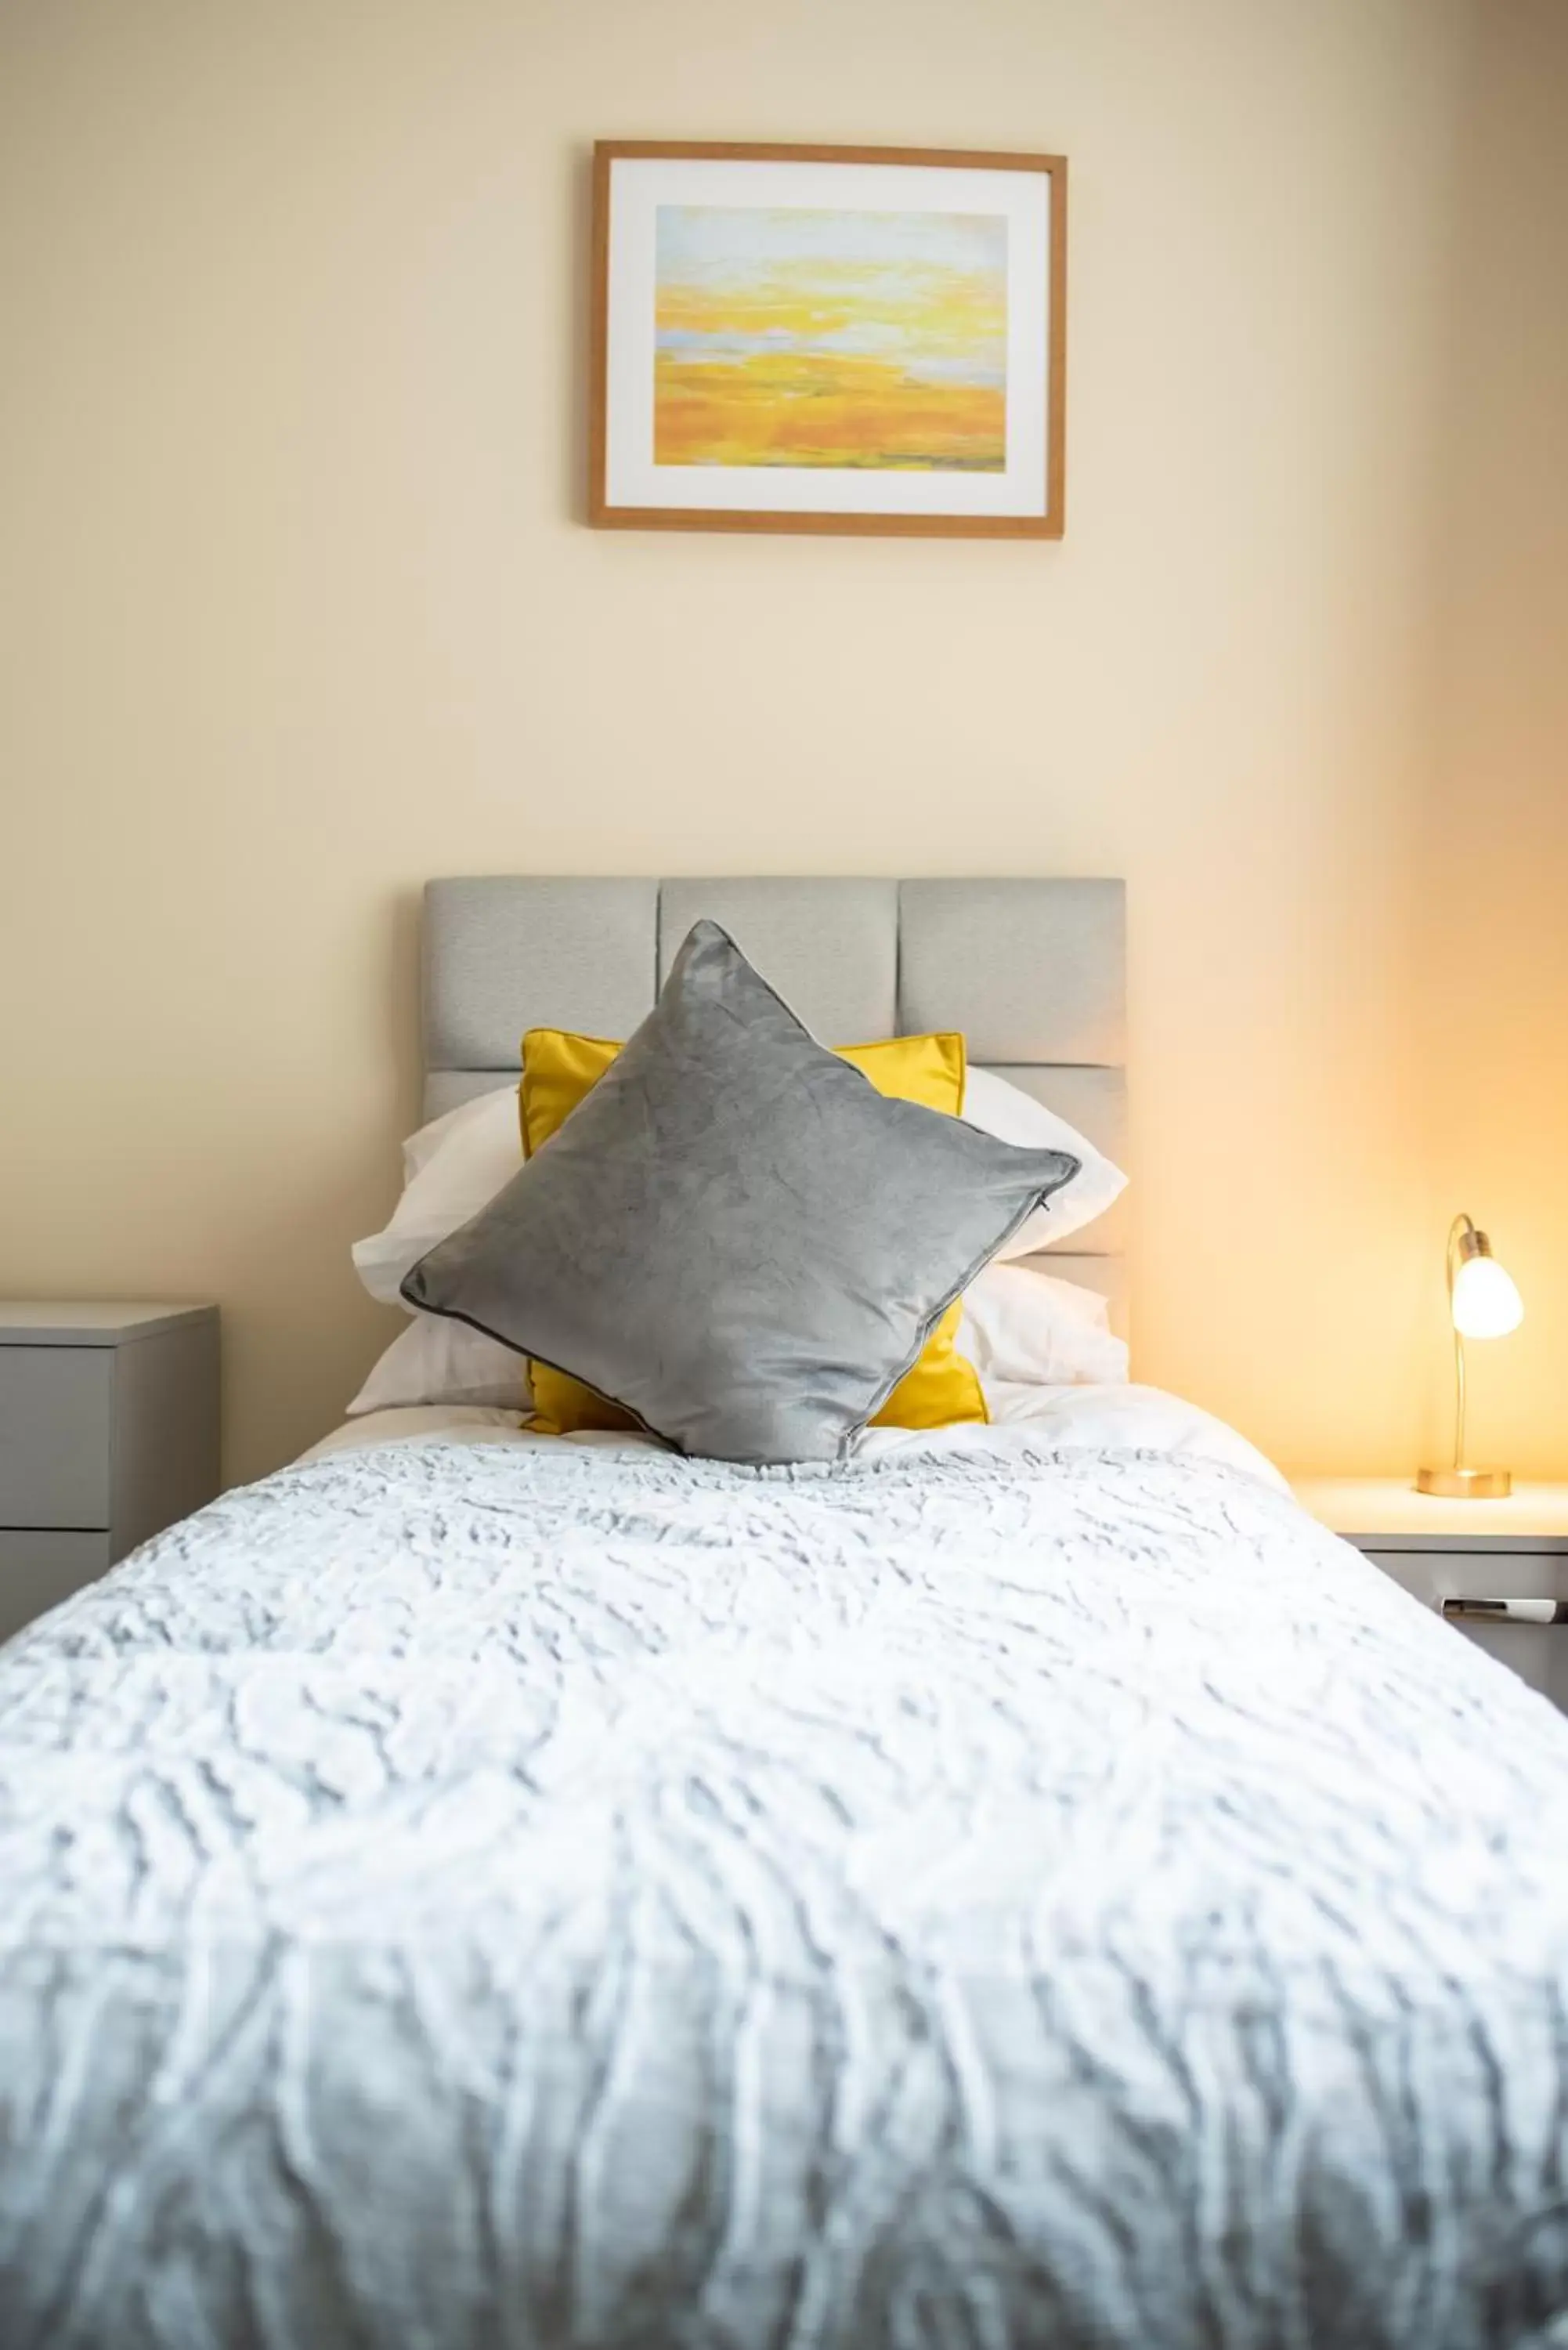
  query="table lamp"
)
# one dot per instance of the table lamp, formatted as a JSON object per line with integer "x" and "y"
{"x": 1482, "y": 1303}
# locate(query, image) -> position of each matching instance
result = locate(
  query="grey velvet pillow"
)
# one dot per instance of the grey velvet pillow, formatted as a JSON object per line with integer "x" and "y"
{"x": 735, "y": 1235}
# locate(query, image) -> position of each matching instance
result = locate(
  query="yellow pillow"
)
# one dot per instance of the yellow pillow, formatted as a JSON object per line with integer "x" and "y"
{"x": 559, "y": 1068}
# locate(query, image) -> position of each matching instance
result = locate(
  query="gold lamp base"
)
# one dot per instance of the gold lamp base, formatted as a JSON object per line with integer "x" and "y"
{"x": 1466, "y": 1484}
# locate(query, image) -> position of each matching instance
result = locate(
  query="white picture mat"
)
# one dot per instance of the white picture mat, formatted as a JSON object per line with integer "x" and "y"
{"x": 640, "y": 184}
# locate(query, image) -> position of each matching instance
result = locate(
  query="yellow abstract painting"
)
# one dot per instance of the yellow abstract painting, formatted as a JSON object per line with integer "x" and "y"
{"x": 865, "y": 340}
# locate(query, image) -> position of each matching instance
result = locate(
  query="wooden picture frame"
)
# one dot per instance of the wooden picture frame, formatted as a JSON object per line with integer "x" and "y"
{"x": 846, "y": 339}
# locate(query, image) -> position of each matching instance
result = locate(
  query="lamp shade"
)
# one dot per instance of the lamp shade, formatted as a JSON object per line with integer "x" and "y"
{"x": 1486, "y": 1304}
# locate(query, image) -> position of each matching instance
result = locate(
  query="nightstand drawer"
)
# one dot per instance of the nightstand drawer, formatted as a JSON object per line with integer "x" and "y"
{"x": 1538, "y": 1653}
{"x": 1434, "y": 1575}
{"x": 57, "y": 1408}
{"x": 38, "y": 1570}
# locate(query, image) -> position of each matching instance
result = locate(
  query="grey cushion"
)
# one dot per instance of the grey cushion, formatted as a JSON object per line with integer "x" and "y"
{"x": 735, "y": 1235}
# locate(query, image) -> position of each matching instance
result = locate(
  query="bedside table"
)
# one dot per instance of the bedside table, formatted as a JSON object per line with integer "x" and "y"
{"x": 1448, "y": 1551}
{"x": 108, "y": 1432}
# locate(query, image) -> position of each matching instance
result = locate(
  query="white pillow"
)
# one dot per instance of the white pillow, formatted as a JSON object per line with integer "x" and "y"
{"x": 454, "y": 1166}
{"x": 1019, "y": 1328}
{"x": 452, "y": 1169}
{"x": 437, "y": 1361}
{"x": 1013, "y": 1116}
{"x": 1023, "y": 1328}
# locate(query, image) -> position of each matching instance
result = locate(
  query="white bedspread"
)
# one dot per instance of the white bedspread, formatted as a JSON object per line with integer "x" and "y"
{"x": 1077, "y": 1419}
{"x": 484, "y": 1891}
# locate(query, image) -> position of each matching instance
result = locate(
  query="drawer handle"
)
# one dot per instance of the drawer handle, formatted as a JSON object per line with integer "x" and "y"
{"x": 1507, "y": 1611}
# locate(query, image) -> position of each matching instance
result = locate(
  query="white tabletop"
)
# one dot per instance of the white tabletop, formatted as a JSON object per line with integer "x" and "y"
{"x": 89, "y": 1322}
{"x": 1389, "y": 1508}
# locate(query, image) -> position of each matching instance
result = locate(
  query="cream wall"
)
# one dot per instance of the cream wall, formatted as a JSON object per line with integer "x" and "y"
{"x": 300, "y": 611}
{"x": 1495, "y": 967}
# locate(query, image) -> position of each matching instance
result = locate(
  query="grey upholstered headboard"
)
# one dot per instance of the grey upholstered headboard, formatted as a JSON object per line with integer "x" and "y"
{"x": 1031, "y": 972}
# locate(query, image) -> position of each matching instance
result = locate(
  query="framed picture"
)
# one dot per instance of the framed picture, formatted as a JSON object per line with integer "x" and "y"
{"x": 829, "y": 339}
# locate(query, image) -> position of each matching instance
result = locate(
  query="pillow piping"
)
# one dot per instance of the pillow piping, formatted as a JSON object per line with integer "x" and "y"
{"x": 853, "y": 1413}
{"x": 1037, "y": 1201}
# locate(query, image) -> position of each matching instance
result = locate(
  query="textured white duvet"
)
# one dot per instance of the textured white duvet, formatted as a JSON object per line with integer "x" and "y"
{"x": 1077, "y": 1419}
{"x": 1010, "y": 1891}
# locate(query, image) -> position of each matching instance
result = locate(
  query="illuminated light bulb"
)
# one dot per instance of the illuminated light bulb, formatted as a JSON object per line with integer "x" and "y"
{"x": 1486, "y": 1304}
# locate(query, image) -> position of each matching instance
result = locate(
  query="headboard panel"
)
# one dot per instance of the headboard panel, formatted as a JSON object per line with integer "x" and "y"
{"x": 1033, "y": 971}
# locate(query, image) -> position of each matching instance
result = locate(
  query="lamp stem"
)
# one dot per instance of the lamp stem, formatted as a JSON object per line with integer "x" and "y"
{"x": 1459, "y": 1483}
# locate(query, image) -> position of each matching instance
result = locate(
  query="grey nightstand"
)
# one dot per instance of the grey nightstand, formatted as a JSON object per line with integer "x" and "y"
{"x": 1453, "y": 1552}
{"x": 108, "y": 1432}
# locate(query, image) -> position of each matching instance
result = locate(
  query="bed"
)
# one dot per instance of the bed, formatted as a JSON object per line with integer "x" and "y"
{"x": 1030, "y": 1887}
